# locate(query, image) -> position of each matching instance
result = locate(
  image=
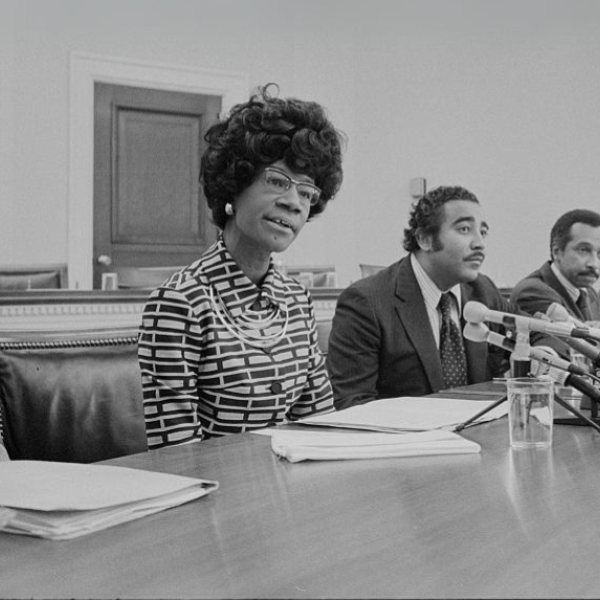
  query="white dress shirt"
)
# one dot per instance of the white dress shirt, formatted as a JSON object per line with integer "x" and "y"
{"x": 431, "y": 295}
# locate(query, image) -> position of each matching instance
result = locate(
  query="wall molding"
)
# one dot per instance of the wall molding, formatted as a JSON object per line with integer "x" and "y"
{"x": 85, "y": 70}
{"x": 51, "y": 311}
{"x": 69, "y": 310}
{"x": 67, "y": 317}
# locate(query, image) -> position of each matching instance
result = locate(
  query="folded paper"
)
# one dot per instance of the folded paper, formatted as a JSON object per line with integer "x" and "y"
{"x": 407, "y": 414}
{"x": 59, "y": 500}
{"x": 297, "y": 445}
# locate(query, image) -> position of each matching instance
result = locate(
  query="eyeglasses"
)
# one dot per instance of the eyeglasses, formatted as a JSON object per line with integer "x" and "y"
{"x": 280, "y": 182}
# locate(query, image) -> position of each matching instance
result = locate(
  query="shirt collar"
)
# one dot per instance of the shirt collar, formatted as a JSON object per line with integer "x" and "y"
{"x": 273, "y": 287}
{"x": 234, "y": 287}
{"x": 431, "y": 292}
{"x": 573, "y": 291}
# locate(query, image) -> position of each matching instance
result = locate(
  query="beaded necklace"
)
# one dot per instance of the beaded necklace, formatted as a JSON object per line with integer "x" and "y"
{"x": 254, "y": 336}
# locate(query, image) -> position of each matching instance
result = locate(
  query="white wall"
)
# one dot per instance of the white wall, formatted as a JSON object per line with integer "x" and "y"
{"x": 500, "y": 97}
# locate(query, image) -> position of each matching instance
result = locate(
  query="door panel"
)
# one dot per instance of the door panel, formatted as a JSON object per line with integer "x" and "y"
{"x": 155, "y": 199}
{"x": 149, "y": 209}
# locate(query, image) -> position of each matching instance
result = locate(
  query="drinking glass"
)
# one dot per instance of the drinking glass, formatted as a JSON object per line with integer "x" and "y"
{"x": 530, "y": 411}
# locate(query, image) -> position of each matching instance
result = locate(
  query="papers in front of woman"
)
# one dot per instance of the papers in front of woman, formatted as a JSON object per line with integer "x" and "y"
{"x": 392, "y": 427}
{"x": 60, "y": 501}
{"x": 408, "y": 414}
{"x": 296, "y": 446}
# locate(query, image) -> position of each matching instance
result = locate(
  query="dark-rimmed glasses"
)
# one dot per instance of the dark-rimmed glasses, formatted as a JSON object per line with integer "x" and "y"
{"x": 280, "y": 182}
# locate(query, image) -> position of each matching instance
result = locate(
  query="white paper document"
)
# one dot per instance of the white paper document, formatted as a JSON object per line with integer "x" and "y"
{"x": 296, "y": 445}
{"x": 408, "y": 414}
{"x": 61, "y": 501}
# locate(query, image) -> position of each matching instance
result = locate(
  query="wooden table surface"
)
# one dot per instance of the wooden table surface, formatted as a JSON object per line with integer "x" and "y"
{"x": 502, "y": 523}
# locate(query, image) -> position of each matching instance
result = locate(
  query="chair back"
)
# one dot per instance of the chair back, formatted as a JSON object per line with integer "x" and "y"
{"x": 33, "y": 278}
{"x": 368, "y": 270}
{"x": 314, "y": 276}
{"x": 143, "y": 278}
{"x": 323, "y": 333}
{"x": 71, "y": 397}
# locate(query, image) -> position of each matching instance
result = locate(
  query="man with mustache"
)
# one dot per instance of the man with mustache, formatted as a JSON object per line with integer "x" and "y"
{"x": 398, "y": 332}
{"x": 570, "y": 274}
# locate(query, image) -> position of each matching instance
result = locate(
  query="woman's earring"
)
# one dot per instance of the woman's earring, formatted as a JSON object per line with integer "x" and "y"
{"x": 229, "y": 209}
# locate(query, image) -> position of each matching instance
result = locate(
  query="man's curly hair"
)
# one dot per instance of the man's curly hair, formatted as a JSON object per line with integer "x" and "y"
{"x": 261, "y": 132}
{"x": 427, "y": 215}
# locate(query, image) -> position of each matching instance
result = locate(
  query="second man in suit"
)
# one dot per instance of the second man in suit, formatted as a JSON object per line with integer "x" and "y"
{"x": 568, "y": 277}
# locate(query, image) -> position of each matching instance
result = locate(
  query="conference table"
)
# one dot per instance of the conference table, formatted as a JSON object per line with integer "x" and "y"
{"x": 502, "y": 523}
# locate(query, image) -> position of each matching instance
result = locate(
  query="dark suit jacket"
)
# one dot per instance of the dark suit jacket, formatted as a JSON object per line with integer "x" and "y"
{"x": 381, "y": 344}
{"x": 541, "y": 288}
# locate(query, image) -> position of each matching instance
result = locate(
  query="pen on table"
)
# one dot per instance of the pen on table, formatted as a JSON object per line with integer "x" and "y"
{"x": 463, "y": 393}
{"x": 480, "y": 413}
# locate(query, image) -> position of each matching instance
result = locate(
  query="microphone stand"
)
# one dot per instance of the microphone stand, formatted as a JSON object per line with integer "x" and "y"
{"x": 557, "y": 313}
{"x": 582, "y": 419}
{"x": 520, "y": 366}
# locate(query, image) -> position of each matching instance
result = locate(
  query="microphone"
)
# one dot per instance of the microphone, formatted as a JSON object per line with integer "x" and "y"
{"x": 558, "y": 313}
{"x": 480, "y": 333}
{"x": 475, "y": 312}
{"x": 564, "y": 377}
{"x": 520, "y": 367}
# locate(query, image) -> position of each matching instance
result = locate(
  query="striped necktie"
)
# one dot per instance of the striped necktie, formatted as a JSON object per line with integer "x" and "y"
{"x": 452, "y": 353}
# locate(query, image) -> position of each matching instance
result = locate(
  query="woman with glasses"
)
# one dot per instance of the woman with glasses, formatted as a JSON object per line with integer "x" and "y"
{"x": 228, "y": 344}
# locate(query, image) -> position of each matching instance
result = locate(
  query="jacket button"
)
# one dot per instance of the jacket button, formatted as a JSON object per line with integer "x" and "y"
{"x": 276, "y": 387}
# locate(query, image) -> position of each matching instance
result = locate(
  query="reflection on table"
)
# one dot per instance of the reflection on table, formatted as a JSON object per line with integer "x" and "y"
{"x": 497, "y": 524}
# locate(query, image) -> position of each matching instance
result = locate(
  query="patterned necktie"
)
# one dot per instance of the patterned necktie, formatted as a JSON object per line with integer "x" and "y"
{"x": 584, "y": 305}
{"x": 452, "y": 354}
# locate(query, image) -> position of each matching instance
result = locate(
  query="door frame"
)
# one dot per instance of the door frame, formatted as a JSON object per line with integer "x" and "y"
{"x": 86, "y": 69}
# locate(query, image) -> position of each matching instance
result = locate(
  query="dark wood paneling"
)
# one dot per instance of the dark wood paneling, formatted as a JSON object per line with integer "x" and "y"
{"x": 149, "y": 209}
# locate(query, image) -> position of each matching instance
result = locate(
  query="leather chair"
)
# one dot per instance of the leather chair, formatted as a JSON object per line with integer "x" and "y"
{"x": 70, "y": 397}
{"x": 33, "y": 278}
{"x": 314, "y": 276}
{"x": 143, "y": 278}
{"x": 368, "y": 270}
{"x": 323, "y": 333}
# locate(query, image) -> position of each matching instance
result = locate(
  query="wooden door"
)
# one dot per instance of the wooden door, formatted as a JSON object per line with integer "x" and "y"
{"x": 149, "y": 209}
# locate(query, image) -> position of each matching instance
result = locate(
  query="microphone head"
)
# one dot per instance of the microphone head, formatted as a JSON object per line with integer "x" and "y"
{"x": 476, "y": 332}
{"x": 542, "y": 316}
{"x": 558, "y": 313}
{"x": 475, "y": 312}
{"x": 558, "y": 376}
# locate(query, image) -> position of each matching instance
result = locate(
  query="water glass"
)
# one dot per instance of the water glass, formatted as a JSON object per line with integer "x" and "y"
{"x": 530, "y": 411}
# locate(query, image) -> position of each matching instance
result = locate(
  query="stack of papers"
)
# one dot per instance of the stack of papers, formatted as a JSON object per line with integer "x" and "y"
{"x": 60, "y": 501}
{"x": 296, "y": 446}
{"x": 408, "y": 414}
